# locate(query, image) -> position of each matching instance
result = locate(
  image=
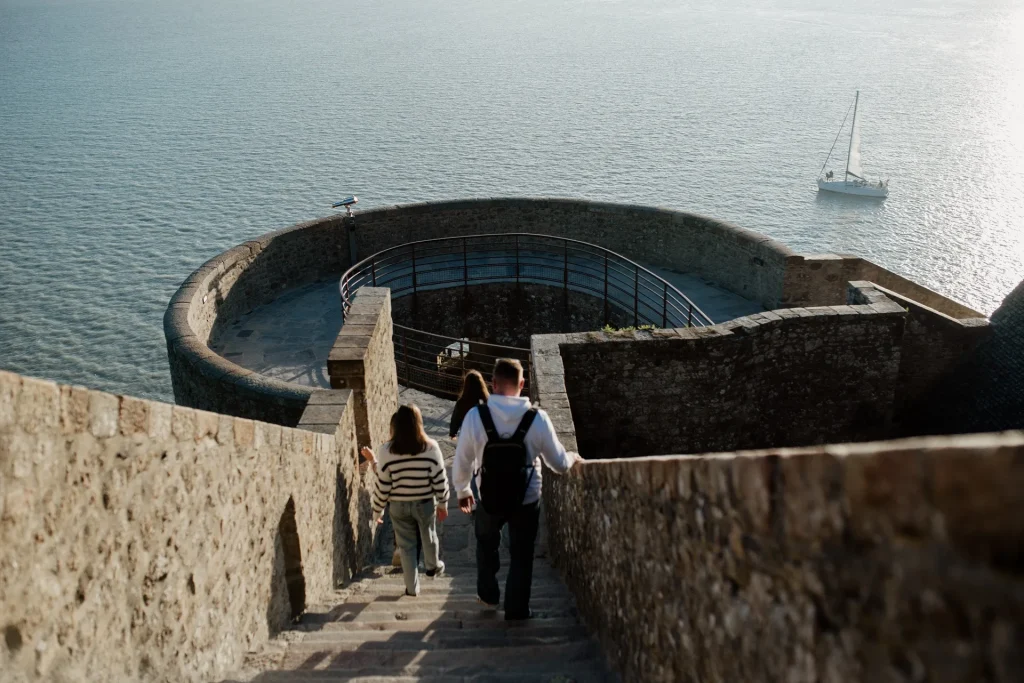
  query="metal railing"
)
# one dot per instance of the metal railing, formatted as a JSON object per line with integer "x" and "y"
{"x": 526, "y": 258}
{"x": 436, "y": 363}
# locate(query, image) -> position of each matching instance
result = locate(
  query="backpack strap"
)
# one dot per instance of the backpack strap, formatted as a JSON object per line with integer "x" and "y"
{"x": 524, "y": 425}
{"x": 488, "y": 422}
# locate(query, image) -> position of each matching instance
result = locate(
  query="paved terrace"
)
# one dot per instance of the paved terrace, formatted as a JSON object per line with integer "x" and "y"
{"x": 290, "y": 338}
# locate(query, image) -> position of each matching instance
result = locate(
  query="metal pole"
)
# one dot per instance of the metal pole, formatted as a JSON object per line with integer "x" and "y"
{"x": 413, "y": 267}
{"x": 689, "y": 317}
{"x": 373, "y": 270}
{"x": 565, "y": 271}
{"x": 405, "y": 357}
{"x": 664, "y": 308}
{"x": 517, "y": 259}
{"x": 636, "y": 297}
{"x": 606, "y": 288}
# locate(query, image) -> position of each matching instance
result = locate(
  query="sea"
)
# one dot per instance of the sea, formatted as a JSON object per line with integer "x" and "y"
{"x": 139, "y": 138}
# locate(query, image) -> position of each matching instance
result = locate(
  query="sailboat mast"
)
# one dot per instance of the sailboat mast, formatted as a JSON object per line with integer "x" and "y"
{"x": 852, "y": 128}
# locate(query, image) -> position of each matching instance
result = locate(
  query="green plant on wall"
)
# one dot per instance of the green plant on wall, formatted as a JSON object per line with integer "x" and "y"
{"x": 631, "y": 328}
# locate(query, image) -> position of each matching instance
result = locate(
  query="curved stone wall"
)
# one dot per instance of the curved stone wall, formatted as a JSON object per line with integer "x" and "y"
{"x": 230, "y": 285}
{"x": 505, "y": 313}
{"x": 735, "y": 259}
{"x": 256, "y": 272}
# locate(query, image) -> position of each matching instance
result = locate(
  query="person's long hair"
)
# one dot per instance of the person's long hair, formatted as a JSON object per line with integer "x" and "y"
{"x": 407, "y": 435}
{"x": 474, "y": 391}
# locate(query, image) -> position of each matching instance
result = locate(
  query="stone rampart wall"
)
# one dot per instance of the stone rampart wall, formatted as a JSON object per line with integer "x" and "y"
{"x": 933, "y": 343}
{"x": 791, "y": 377}
{"x": 736, "y": 259}
{"x": 141, "y": 541}
{"x": 894, "y": 561}
{"x": 984, "y": 391}
{"x": 821, "y": 281}
{"x": 363, "y": 360}
{"x": 234, "y": 283}
{"x": 505, "y": 313}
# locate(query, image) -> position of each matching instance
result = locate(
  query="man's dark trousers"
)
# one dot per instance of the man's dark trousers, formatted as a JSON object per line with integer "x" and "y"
{"x": 522, "y": 535}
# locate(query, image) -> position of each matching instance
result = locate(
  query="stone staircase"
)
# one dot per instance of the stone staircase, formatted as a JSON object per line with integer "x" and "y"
{"x": 371, "y": 632}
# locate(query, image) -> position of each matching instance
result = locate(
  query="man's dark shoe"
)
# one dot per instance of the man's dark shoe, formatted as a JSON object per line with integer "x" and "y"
{"x": 514, "y": 616}
{"x": 437, "y": 571}
{"x": 488, "y": 605}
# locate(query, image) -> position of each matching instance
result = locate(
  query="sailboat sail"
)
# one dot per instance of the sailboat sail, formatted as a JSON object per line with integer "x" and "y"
{"x": 854, "y": 166}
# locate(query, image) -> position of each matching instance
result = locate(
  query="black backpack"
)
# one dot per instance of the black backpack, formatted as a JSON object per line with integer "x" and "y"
{"x": 507, "y": 468}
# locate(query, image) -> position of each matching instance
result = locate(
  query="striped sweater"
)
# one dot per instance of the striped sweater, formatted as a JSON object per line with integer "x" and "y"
{"x": 410, "y": 477}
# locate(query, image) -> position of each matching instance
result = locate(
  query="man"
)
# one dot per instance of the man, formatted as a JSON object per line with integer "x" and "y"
{"x": 507, "y": 415}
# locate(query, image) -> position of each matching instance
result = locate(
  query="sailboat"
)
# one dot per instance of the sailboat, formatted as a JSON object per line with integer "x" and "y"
{"x": 854, "y": 181}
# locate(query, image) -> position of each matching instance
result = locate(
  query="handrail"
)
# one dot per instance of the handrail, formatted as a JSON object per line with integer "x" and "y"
{"x": 530, "y": 258}
{"x": 436, "y": 363}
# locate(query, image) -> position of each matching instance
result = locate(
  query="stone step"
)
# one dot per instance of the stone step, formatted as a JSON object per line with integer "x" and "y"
{"x": 478, "y": 614}
{"x": 426, "y": 625}
{"x": 396, "y": 589}
{"x": 438, "y": 640}
{"x": 405, "y": 603}
{"x": 445, "y": 660}
{"x": 583, "y": 671}
{"x": 367, "y": 612}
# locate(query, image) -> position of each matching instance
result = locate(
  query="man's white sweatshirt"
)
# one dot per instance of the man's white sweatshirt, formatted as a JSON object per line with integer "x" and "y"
{"x": 506, "y": 411}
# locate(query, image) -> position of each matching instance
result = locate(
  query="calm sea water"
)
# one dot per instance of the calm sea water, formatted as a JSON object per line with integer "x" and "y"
{"x": 139, "y": 138}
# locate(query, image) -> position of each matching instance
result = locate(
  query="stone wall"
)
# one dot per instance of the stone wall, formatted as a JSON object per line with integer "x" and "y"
{"x": 363, "y": 360}
{"x": 791, "y": 377}
{"x": 232, "y": 284}
{"x": 985, "y": 390}
{"x": 821, "y": 280}
{"x": 895, "y": 561}
{"x": 507, "y": 314}
{"x": 141, "y": 541}
{"x": 736, "y": 259}
{"x": 933, "y": 343}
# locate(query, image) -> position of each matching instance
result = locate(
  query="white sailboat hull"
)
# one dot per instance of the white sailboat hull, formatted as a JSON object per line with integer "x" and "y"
{"x": 859, "y": 188}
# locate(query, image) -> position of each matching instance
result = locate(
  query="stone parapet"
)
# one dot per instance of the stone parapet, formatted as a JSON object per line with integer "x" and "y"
{"x": 232, "y": 284}
{"x": 739, "y": 260}
{"x": 820, "y": 280}
{"x": 886, "y": 561}
{"x": 789, "y": 377}
{"x": 141, "y": 541}
{"x": 363, "y": 360}
{"x": 933, "y": 344}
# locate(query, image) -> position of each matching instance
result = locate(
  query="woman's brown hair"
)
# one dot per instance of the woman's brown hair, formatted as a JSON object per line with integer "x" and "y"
{"x": 474, "y": 390}
{"x": 407, "y": 435}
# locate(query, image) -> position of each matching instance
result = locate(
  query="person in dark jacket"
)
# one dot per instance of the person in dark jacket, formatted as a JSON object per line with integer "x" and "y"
{"x": 474, "y": 392}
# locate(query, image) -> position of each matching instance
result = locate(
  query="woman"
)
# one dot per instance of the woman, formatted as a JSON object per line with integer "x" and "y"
{"x": 474, "y": 392}
{"x": 411, "y": 477}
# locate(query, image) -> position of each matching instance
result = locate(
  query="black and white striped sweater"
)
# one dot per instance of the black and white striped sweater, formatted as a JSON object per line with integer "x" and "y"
{"x": 410, "y": 477}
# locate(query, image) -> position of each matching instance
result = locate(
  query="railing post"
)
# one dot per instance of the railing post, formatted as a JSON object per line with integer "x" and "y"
{"x": 636, "y": 296}
{"x": 413, "y": 245}
{"x": 565, "y": 267}
{"x": 664, "y": 308}
{"x": 373, "y": 270}
{"x": 606, "y": 287}
{"x": 689, "y": 316}
{"x": 405, "y": 357}
{"x": 517, "y": 259}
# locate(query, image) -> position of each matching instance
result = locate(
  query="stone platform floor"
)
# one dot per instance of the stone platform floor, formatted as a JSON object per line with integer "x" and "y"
{"x": 289, "y": 339}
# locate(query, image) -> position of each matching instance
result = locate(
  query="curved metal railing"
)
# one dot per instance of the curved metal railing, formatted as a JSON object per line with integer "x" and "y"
{"x": 436, "y": 363}
{"x": 528, "y": 258}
